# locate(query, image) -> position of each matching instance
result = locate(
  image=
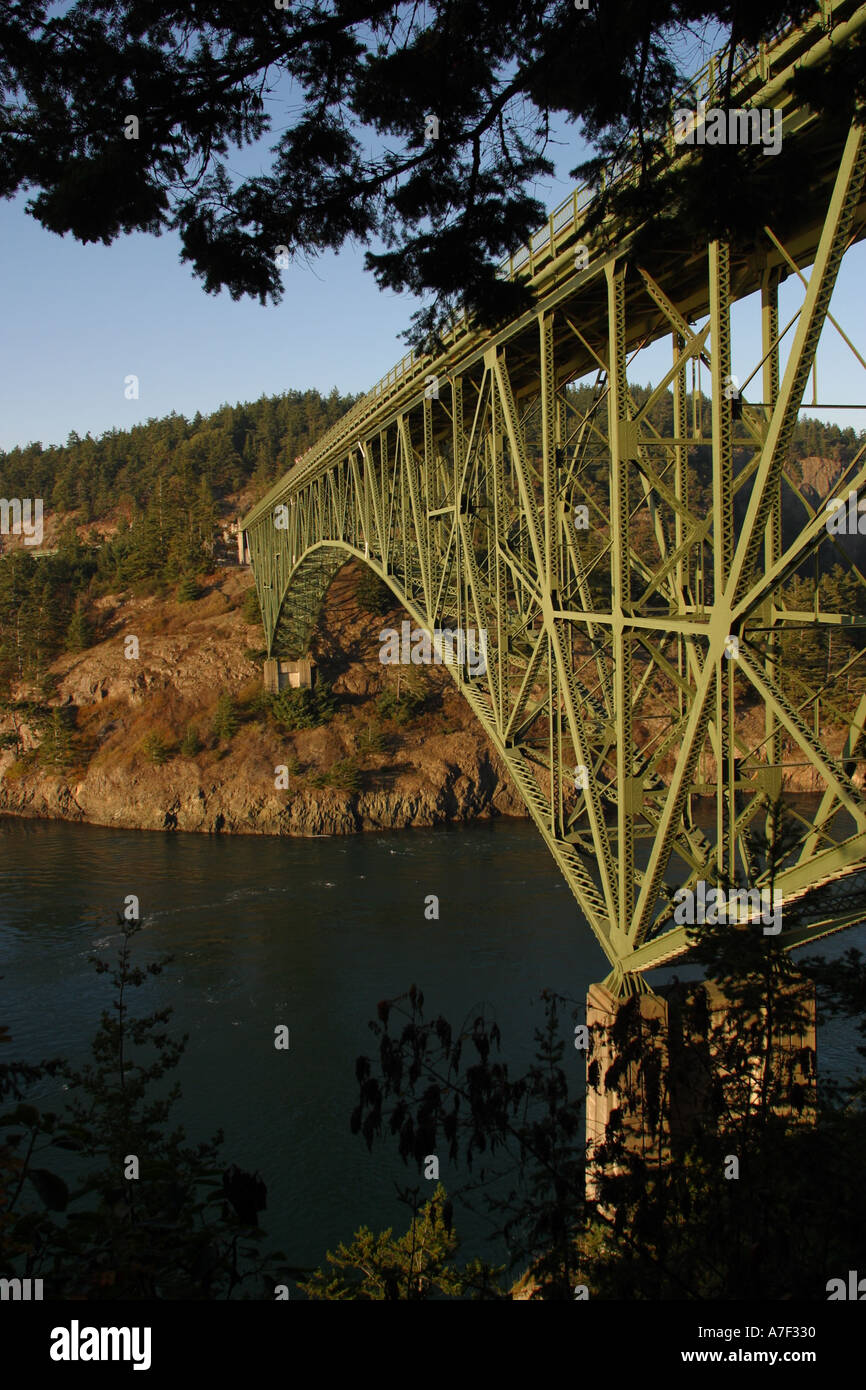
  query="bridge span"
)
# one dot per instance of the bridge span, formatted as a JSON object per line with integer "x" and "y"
{"x": 631, "y": 560}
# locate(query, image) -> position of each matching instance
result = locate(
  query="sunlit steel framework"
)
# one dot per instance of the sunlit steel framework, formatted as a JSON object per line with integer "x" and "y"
{"x": 636, "y": 635}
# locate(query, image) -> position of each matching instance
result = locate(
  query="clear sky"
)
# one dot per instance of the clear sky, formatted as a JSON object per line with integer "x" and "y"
{"x": 77, "y": 320}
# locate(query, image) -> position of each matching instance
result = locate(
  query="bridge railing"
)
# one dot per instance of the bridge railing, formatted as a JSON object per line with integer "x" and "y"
{"x": 750, "y": 65}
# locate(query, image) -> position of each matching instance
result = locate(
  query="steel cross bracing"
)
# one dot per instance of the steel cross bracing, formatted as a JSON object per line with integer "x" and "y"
{"x": 641, "y": 645}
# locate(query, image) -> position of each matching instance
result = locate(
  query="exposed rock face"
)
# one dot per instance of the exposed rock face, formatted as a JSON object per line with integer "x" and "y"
{"x": 459, "y": 781}
{"x": 818, "y": 477}
{"x": 438, "y": 769}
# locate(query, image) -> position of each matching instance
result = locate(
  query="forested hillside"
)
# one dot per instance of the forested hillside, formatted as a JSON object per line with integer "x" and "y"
{"x": 139, "y": 509}
{"x": 132, "y": 543}
{"x": 150, "y": 498}
{"x": 239, "y": 444}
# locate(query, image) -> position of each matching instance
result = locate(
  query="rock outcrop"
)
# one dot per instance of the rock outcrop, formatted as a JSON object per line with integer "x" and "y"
{"x": 439, "y": 768}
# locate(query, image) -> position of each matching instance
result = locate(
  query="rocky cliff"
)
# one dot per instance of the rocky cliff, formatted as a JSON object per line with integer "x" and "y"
{"x": 435, "y": 769}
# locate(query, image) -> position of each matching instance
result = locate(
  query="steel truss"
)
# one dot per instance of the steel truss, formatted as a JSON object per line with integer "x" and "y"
{"x": 652, "y": 649}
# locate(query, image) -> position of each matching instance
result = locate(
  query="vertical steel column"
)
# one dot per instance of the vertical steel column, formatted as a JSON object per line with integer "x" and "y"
{"x": 773, "y": 539}
{"x": 559, "y": 455}
{"x": 294, "y": 530}
{"x": 385, "y": 495}
{"x": 373, "y": 495}
{"x": 681, "y": 492}
{"x": 361, "y": 490}
{"x": 548, "y": 449}
{"x": 425, "y": 503}
{"x": 622, "y": 449}
{"x": 459, "y": 453}
{"x": 550, "y": 536}
{"x": 497, "y": 662}
{"x": 402, "y": 471}
{"x": 723, "y": 544}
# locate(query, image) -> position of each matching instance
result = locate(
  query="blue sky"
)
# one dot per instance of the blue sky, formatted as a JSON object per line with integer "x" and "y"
{"x": 79, "y": 319}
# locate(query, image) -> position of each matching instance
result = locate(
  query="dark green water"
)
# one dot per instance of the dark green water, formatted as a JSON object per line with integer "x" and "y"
{"x": 309, "y": 933}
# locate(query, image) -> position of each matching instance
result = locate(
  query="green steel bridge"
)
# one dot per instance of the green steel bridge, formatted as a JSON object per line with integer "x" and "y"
{"x": 635, "y": 633}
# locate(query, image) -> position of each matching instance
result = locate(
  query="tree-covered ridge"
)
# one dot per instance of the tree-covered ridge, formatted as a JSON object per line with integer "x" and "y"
{"x": 252, "y": 443}
{"x": 814, "y": 439}
{"x": 160, "y": 489}
{"x": 154, "y": 494}
{"x": 167, "y": 463}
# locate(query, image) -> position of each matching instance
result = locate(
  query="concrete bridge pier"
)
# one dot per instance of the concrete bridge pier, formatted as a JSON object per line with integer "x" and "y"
{"x": 280, "y": 674}
{"x": 656, "y": 1059}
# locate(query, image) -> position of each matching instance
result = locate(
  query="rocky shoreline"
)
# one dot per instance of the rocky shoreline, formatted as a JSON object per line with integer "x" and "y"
{"x": 464, "y": 785}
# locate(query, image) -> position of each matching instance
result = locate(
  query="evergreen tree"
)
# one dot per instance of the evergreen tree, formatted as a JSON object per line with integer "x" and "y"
{"x": 155, "y": 748}
{"x": 251, "y": 609}
{"x": 190, "y": 744}
{"x": 188, "y": 590}
{"x": 78, "y": 633}
{"x": 414, "y": 1267}
{"x": 56, "y": 751}
{"x": 225, "y": 721}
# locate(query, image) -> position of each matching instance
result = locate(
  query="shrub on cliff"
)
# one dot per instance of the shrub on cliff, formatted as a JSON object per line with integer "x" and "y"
{"x": 225, "y": 720}
{"x": 250, "y": 609}
{"x": 155, "y": 748}
{"x": 345, "y": 775}
{"x": 191, "y": 743}
{"x": 403, "y": 708}
{"x": 302, "y": 709}
{"x": 409, "y": 696}
{"x": 78, "y": 634}
{"x": 373, "y": 594}
{"x": 372, "y": 739}
{"x": 188, "y": 590}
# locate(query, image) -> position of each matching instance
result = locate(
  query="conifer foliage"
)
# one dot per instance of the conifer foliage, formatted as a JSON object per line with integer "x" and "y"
{"x": 422, "y": 129}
